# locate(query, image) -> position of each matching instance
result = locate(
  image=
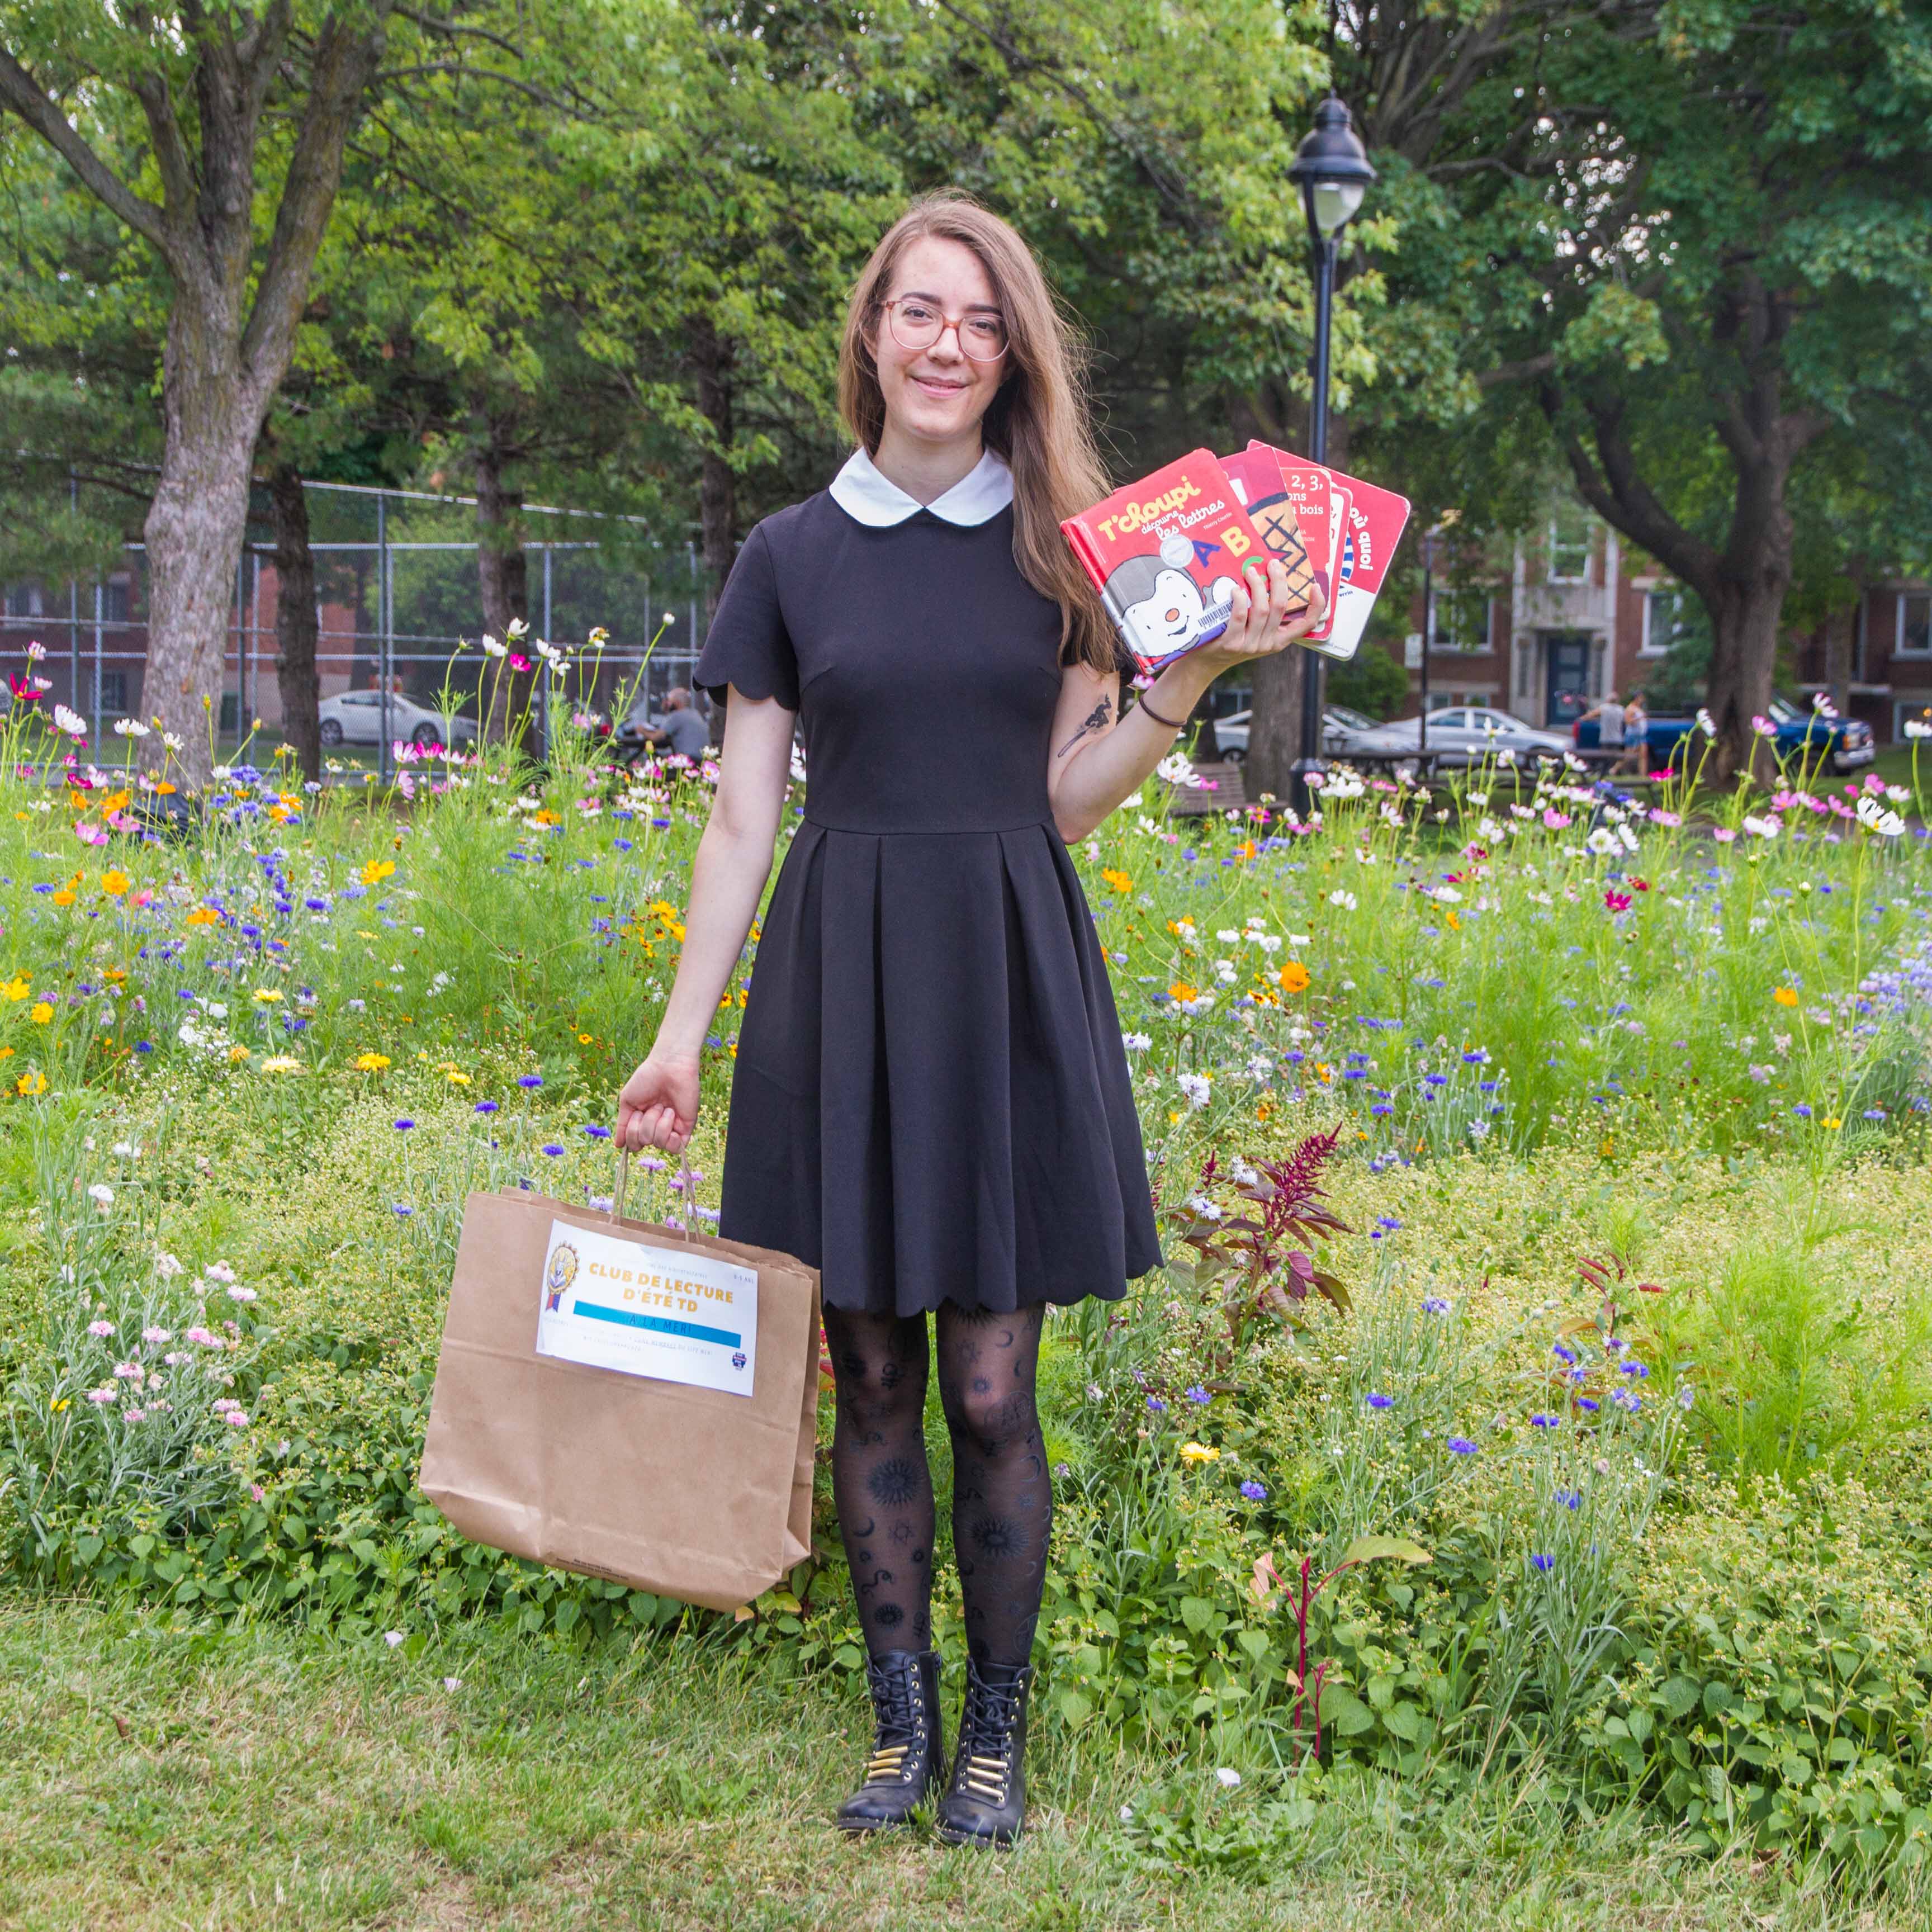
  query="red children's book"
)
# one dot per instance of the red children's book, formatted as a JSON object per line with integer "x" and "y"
{"x": 1366, "y": 524}
{"x": 1257, "y": 478}
{"x": 1165, "y": 553}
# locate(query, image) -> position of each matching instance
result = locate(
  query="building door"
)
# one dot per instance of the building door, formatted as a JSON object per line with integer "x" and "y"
{"x": 1568, "y": 682}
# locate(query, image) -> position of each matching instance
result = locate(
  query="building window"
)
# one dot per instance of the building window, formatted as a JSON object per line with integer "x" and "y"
{"x": 1909, "y": 711}
{"x": 114, "y": 600}
{"x": 1663, "y": 622}
{"x": 23, "y": 600}
{"x": 1569, "y": 547}
{"x": 1915, "y": 624}
{"x": 114, "y": 693}
{"x": 1459, "y": 620}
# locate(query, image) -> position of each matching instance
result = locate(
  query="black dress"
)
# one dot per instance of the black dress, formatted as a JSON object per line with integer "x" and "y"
{"x": 931, "y": 1100}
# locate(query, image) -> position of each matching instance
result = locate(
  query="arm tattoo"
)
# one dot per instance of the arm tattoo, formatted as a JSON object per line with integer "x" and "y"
{"x": 1096, "y": 720}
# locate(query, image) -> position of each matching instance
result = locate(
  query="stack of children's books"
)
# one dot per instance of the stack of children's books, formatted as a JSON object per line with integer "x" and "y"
{"x": 1165, "y": 553}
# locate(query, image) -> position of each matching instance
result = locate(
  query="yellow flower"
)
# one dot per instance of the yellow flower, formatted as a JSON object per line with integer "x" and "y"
{"x": 1453, "y": 921}
{"x": 1293, "y": 977}
{"x": 280, "y": 1062}
{"x": 1832, "y": 1121}
{"x": 60, "y": 1403}
{"x": 1120, "y": 881}
{"x": 64, "y": 897}
{"x": 17, "y": 987}
{"x": 583, "y": 1039}
{"x": 546, "y": 817}
{"x": 1786, "y": 996}
{"x": 114, "y": 883}
{"x": 1195, "y": 1453}
{"x": 267, "y": 995}
{"x": 236, "y": 1053}
{"x": 460, "y": 1079}
{"x": 30, "y": 1084}
{"x": 41, "y": 1013}
{"x": 371, "y": 1063}
{"x": 377, "y": 871}
{"x": 204, "y": 916}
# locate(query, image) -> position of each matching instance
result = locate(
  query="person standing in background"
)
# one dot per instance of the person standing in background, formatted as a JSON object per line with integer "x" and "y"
{"x": 1635, "y": 759}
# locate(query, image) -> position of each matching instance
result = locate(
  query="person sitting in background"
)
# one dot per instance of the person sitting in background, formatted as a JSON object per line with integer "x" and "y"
{"x": 683, "y": 731}
{"x": 1636, "y": 738}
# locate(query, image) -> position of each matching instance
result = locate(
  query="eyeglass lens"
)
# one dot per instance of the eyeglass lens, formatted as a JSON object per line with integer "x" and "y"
{"x": 917, "y": 325}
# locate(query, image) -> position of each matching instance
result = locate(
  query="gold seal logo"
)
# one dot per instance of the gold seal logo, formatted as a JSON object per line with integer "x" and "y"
{"x": 558, "y": 1276}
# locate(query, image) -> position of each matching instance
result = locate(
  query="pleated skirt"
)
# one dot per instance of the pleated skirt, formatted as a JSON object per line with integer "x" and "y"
{"x": 931, "y": 1100}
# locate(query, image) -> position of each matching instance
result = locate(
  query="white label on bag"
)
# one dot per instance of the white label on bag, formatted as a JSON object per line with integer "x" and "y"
{"x": 672, "y": 1313}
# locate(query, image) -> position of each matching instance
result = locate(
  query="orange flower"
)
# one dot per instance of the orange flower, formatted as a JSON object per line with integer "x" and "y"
{"x": 30, "y": 1084}
{"x": 1181, "y": 991}
{"x": 377, "y": 871}
{"x": 1120, "y": 881}
{"x": 204, "y": 916}
{"x": 1293, "y": 977}
{"x": 1786, "y": 996}
{"x": 64, "y": 897}
{"x": 114, "y": 883}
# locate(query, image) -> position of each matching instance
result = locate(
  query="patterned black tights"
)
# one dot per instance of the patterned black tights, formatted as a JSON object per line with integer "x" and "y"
{"x": 1002, "y": 1494}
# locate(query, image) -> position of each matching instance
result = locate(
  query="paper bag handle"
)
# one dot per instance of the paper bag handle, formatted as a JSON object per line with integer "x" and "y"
{"x": 684, "y": 1177}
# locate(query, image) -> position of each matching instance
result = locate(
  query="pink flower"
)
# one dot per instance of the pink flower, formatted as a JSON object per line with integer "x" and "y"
{"x": 237, "y": 1418}
{"x": 100, "y": 1327}
{"x": 1617, "y": 902}
{"x": 133, "y": 1415}
{"x": 130, "y": 1372}
{"x": 1763, "y": 727}
{"x": 1556, "y": 820}
{"x": 255, "y": 1492}
{"x": 1659, "y": 817}
{"x": 99, "y": 1396}
{"x": 1724, "y": 835}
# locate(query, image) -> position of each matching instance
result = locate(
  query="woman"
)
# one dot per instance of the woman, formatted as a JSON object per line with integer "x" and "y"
{"x": 931, "y": 1100}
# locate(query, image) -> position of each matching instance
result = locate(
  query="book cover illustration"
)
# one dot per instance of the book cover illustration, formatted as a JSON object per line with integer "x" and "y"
{"x": 1363, "y": 523}
{"x": 1164, "y": 554}
{"x": 1258, "y": 482}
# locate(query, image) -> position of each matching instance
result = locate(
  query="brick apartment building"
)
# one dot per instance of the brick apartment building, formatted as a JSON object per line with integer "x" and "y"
{"x": 1584, "y": 613}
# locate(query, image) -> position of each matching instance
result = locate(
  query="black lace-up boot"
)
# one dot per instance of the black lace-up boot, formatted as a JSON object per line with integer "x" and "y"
{"x": 908, "y": 1750}
{"x": 985, "y": 1802}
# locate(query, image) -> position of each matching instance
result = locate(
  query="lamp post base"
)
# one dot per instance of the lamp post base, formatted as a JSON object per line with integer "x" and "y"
{"x": 1301, "y": 793}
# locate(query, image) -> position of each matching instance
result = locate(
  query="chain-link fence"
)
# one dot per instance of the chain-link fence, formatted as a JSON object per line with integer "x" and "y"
{"x": 397, "y": 592}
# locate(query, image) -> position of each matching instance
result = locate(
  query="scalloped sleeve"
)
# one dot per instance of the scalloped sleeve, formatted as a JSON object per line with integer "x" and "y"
{"x": 747, "y": 644}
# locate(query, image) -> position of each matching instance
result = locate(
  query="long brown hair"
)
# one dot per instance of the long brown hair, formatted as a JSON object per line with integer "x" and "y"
{"x": 1038, "y": 423}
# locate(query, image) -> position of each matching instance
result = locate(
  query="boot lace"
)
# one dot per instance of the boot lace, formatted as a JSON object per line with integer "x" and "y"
{"x": 986, "y": 1736}
{"x": 899, "y": 1708}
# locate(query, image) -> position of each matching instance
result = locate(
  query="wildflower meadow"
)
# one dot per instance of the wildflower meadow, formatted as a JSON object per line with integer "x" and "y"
{"x": 1532, "y": 1414}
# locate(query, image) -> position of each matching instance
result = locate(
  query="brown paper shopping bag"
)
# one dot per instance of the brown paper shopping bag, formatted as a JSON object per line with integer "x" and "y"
{"x": 623, "y": 1399}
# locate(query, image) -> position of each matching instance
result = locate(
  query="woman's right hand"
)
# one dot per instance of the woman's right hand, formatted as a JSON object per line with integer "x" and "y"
{"x": 659, "y": 1105}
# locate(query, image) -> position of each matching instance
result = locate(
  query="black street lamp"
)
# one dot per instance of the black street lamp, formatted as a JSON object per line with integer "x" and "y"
{"x": 1332, "y": 168}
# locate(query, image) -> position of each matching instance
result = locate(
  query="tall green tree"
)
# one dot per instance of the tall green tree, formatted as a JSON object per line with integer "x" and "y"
{"x": 1713, "y": 275}
{"x": 215, "y": 131}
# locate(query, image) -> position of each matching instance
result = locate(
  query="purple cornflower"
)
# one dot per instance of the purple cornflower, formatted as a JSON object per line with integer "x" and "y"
{"x": 1542, "y": 1422}
{"x": 528, "y": 1080}
{"x": 1570, "y": 1498}
{"x": 403, "y": 1208}
{"x": 1461, "y": 1445}
{"x": 403, "y": 1126}
{"x": 1584, "y": 1402}
{"x": 1254, "y": 1492}
{"x": 1198, "y": 1393}
{"x": 486, "y": 1106}
{"x": 1155, "y": 1406}
{"x": 1546, "y": 1564}
{"x": 1434, "y": 1304}
{"x": 551, "y": 1148}
{"x": 598, "y": 1133}
{"x": 1380, "y": 1401}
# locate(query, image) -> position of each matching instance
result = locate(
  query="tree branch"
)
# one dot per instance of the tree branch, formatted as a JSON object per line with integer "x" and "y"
{"x": 20, "y": 91}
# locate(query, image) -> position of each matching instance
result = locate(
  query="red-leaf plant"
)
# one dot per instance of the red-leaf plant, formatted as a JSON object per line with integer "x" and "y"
{"x": 1265, "y": 1273}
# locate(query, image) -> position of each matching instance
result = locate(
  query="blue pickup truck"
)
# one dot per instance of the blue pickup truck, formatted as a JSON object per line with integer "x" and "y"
{"x": 1802, "y": 733}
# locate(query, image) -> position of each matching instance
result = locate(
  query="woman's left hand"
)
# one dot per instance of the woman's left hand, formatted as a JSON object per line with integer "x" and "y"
{"x": 1264, "y": 619}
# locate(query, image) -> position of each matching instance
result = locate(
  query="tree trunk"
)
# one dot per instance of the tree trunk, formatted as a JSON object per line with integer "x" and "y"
{"x": 1274, "y": 725}
{"x": 509, "y": 697}
{"x": 295, "y": 626}
{"x": 1744, "y": 658}
{"x": 193, "y": 532}
{"x": 1840, "y": 637}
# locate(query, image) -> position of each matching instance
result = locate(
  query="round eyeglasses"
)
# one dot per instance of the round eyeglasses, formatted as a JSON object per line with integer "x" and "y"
{"x": 917, "y": 323}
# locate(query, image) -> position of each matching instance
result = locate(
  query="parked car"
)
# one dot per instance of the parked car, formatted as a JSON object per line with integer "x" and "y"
{"x": 1846, "y": 742}
{"x": 365, "y": 718}
{"x": 1463, "y": 734}
{"x": 1340, "y": 726}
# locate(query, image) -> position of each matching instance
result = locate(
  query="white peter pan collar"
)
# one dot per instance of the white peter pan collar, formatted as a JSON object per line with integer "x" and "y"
{"x": 868, "y": 497}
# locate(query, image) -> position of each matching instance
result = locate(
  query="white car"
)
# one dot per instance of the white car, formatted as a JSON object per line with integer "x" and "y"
{"x": 1340, "y": 729}
{"x": 366, "y": 718}
{"x": 1464, "y": 734}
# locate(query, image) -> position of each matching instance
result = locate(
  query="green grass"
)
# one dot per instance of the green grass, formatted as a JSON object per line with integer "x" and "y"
{"x": 161, "y": 1777}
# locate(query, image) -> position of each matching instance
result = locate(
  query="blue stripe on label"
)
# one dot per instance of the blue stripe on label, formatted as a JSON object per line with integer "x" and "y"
{"x": 656, "y": 1323}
